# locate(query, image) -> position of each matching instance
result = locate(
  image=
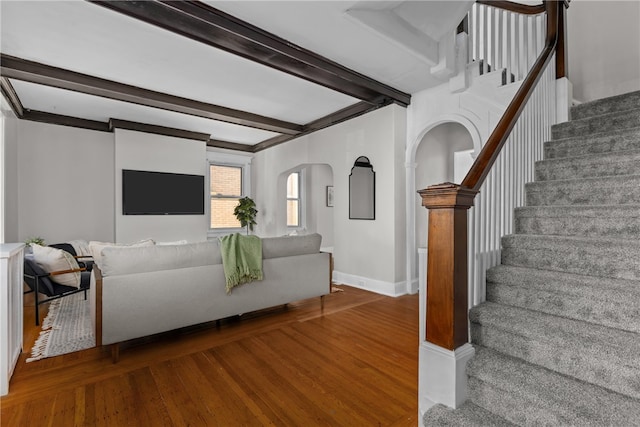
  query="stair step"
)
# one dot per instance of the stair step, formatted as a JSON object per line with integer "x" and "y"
{"x": 467, "y": 415}
{"x": 615, "y": 221}
{"x": 614, "y": 303}
{"x": 597, "y": 125}
{"x": 617, "y": 190}
{"x": 589, "y": 166}
{"x": 526, "y": 394}
{"x": 627, "y": 101}
{"x": 603, "y": 356}
{"x": 602, "y": 257}
{"x": 621, "y": 140}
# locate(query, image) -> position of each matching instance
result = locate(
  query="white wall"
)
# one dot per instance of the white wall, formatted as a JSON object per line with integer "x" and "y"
{"x": 65, "y": 183}
{"x": 9, "y": 175}
{"x": 143, "y": 151}
{"x": 603, "y": 48}
{"x": 319, "y": 215}
{"x": 366, "y": 252}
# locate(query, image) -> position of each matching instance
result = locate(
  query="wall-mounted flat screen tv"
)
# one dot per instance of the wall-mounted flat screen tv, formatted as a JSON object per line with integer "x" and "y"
{"x": 160, "y": 193}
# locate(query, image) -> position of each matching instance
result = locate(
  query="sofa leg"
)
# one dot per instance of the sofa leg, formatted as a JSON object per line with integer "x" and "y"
{"x": 115, "y": 353}
{"x": 322, "y": 303}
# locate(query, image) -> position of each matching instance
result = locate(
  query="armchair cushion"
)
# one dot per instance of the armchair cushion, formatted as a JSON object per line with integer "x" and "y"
{"x": 53, "y": 259}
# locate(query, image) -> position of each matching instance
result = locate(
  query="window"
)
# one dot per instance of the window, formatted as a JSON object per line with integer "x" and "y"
{"x": 226, "y": 189}
{"x": 229, "y": 180}
{"x": 294, "y": 205}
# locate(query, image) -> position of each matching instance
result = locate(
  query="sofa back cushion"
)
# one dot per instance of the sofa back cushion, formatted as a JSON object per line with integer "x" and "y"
{"x": 277, "y": 247}
{"x": 131, "y": 260}
{"x": 96, "y": 248}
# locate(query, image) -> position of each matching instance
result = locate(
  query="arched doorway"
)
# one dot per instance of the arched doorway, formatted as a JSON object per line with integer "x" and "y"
{"x": 430, "y": 159}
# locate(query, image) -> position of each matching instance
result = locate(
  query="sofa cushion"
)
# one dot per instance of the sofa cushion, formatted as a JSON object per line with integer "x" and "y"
{"x": 277, "y": 247}
{"x": 53, "y": 259}
{"x": 97, "y": 248}
{"x": 130, "y": 260}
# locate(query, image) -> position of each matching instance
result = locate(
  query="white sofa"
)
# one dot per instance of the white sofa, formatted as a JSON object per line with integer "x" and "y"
{"x": 146, "y": 290}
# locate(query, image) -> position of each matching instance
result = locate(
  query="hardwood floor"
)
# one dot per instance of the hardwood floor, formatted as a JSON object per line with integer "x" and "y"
{"x": 356, "y": 364}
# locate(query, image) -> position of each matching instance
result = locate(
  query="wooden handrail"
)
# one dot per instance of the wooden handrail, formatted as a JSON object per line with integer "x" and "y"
{"x": 482, "y": 165}
{"x": 514, "y": 7}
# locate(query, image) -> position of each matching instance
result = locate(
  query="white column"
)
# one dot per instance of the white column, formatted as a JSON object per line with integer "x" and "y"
{"x": 564, "y": 97}
{"x": 11, "y": 269}
{"x": 410, "y": 167}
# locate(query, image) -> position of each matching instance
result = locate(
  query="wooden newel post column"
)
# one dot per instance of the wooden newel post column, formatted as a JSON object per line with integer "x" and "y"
{"x": 447, "y": 293}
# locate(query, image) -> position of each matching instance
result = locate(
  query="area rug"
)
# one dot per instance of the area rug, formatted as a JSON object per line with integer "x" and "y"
{"x": 67, "y": 328}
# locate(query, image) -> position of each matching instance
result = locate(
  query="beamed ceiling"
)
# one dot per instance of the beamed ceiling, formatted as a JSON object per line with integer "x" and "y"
{"x": 210, "y": 70}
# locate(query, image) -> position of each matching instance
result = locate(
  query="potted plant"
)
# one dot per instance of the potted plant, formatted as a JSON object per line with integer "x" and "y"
{"x": 246, "y": 212}
{"x": 33, "y": 240}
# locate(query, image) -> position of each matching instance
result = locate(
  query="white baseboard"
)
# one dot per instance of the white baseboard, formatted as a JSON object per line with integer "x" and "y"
{"x": 414, "y": 286}
{"x": 373, "y": 285}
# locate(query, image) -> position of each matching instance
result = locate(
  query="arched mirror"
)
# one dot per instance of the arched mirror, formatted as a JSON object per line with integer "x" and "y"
{"x": 362, "y": 190}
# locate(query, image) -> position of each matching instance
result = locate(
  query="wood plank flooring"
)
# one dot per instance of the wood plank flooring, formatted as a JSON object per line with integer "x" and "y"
{"x": 355, "y": 364}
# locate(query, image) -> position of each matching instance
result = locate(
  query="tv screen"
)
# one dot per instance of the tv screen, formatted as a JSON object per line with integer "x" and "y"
{"x": 160, "y": 193}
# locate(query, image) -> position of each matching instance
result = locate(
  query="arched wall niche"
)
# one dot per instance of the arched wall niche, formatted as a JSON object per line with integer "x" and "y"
{"x": 435, "y": 164}
{"x": 430, "y": 160}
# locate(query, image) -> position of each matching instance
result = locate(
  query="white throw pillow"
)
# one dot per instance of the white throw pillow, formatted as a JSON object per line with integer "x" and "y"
{"x": 53, "y": 259}
{"x": 81, "y": 247}
{"x": 97, "y": 247}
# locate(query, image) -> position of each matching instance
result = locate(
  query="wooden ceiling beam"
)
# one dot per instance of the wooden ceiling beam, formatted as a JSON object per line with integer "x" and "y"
{"x": 34, "y": 72}
{"x": 158, "y": 130}
{"x": 201, "y": 22}
{"x": 59, "y": 119}
{"x": 11, "y": 96}
{"x": 347, "y": 113}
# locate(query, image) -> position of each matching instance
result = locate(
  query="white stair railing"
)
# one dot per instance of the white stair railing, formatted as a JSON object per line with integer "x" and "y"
{"x": 491, "y": 217}
{"x": 501, "y": 39}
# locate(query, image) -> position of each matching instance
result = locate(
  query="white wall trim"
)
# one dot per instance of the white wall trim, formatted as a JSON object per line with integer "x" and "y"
{"x": 445, "y": 381}
{"x": 378, "y": 286}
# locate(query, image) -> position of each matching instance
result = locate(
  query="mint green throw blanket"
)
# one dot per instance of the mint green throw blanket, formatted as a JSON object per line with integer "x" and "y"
{"x": 241, "y": 259}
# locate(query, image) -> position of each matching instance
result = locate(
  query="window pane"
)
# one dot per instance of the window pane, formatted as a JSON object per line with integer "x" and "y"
{"x": 292, "y": 213}
{"x": 292, "y": 186}
{"x": 222, "y": 213}
{"x": 225, "y": 180}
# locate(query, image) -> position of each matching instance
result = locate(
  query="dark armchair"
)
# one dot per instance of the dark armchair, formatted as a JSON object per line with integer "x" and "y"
{"x": 39, "y": 282}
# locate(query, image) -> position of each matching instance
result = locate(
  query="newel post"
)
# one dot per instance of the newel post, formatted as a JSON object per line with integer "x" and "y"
{"x": 447, "y": 290}
{"x": 446, "y": 351}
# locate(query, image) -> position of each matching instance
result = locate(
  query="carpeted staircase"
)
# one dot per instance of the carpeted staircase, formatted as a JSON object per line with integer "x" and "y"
{"x": 558, "y": 340}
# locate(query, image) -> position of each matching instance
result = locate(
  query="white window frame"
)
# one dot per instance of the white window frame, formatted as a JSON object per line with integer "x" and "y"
{"x": 302, "y": 196}
{"x": 231, "y": 160}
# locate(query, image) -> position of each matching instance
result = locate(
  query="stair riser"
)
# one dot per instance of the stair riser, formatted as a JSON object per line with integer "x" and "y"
{"x": 508, "y": 405}
{"x": 584, "y": 304}
{"x": 547, "y": 171}
{"x": 580, "y": 362}
{"x": 613, "y": 262}
{"x": 622, "y": 191}
{"x": 582, "y": 146}
{"x": 624, "y": 102}
{"x": 596, "y": 125}
{"x": 529, "y": 395}
{"x": 621, "y": 228}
